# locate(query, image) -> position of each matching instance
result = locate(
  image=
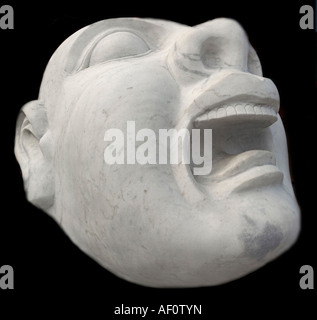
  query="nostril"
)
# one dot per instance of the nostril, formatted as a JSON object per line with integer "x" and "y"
{"x": 212, "y": 53}
{"x": 204, "y": 50}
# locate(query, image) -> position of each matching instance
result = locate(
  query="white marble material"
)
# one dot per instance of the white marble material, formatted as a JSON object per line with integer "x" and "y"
{"x": 159, "y": 225}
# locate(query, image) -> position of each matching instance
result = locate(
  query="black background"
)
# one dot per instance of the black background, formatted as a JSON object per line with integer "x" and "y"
{"x": 50, "y": 271}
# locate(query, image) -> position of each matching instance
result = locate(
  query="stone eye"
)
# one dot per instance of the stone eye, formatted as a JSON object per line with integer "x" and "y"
{"x": 116, "y": 46}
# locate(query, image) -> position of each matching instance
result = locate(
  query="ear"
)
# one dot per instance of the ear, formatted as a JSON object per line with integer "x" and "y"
{"x": 34, "y": 152}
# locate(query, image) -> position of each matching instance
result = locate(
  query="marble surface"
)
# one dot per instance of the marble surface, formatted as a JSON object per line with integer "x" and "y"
{"x": 160, "y": 225}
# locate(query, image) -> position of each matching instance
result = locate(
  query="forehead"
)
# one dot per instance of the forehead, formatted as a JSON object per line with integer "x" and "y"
{"x": 154, "y": 32}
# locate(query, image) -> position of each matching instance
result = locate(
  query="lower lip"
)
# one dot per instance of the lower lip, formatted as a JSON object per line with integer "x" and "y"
{"x": 251, "y": 179}
{"x": 256, "y": 177}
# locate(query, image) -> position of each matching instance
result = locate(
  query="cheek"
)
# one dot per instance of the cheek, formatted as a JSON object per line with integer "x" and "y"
{"x": 128, "y": 90}
{"x": 146, "y": 94}
{"x": 103, "y": 100}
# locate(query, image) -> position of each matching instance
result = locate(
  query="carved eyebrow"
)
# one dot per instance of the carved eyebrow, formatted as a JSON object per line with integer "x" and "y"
{"x": 152, "y": 33}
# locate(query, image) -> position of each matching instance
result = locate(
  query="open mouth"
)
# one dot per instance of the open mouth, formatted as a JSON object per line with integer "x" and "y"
{"x": 241, "y": 156}
{"x": 243, "y": 108}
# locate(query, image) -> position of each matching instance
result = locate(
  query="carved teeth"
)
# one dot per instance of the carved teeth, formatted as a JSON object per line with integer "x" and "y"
{"x": 221, "y": 112}
{"x": 212, "y": 114}
{"x": 231, "y": 111}
{"x": 249, "y": 109}
{"x": 240, "y": 109}
{"x": 225, "y": 111}
{"x": 257, "y": 109}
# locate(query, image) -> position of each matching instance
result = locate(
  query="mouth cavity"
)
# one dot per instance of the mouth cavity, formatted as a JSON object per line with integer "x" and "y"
{"x": 241, "y": 142}
{"x": 241, "y": 148}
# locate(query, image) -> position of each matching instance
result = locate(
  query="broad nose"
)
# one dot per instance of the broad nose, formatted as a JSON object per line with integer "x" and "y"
{"x": 213, "y": 46}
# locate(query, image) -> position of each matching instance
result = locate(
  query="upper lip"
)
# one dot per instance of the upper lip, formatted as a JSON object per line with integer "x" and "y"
{"x": 259, "y": 114}
{"x": 234, "y": 95}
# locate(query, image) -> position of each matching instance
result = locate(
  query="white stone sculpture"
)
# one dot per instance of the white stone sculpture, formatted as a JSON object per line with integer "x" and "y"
{"x": 160, "y": 225}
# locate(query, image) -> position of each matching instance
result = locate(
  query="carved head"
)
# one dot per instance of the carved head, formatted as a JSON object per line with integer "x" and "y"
{"x": 158, "y": 224}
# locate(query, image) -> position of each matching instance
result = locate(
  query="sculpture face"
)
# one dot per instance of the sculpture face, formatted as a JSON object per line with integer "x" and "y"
{"x": 154, "y": 224}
